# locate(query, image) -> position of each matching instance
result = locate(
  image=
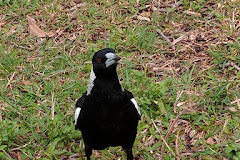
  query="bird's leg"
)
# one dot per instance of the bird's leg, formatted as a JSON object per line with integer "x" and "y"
{"x": 129, "y": 153}
{"x": 88, "y": 152}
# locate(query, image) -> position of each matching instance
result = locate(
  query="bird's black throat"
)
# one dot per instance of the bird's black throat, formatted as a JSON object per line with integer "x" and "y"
{"x": 109, "y": 73}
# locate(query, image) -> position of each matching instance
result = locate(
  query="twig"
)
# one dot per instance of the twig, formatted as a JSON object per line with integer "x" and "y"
{"x": 19, "y": 155}
{"x": 178, "y": 39}
{"x": 173, "y": 5}
{"x": 163, "y": 10}
{"x": 19, "y": 148}
{"x": 224, "y": 126}
{"x": 57, "y": 72}
{"x": 177, "y": 146}
{"x": 235, "y": 66}
{"x": 6, "y": 153}
{"x": 75, "y": 155}
{"x": 22, "y": 47}
{"x": 237, "y": 100}
{"x": 78, "y": 5}
{"x": 169, "y": 131}
{"x": 9, "y": 80}
{"x": 177, "y": 4}
{"x": 211, "y": 149}
{"x": 164, "y": 141}
{"x": 178, "y": 97}
{"x": 192, "y": 13}
{"x": 237, "y": 141}
{"x": 165, "y": 38}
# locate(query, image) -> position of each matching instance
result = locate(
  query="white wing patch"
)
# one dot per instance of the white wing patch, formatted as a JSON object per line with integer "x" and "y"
{"x": 136, "y": 105}
{"x": 77, "y": 113}
{"x": 91, "y": 84}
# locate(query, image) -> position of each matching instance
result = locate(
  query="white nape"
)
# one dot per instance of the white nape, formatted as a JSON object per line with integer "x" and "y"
{"x": 77, "y": 113}
{"x": 91, "y": 83}
{"x": 120, "y": 84}
{"x": 110, "y": 55}
{"x": 136, "y": 105}
{"x": 110, "y": 59}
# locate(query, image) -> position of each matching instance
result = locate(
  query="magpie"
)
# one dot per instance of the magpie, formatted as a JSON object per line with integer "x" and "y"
{"x": 107, "y": 114}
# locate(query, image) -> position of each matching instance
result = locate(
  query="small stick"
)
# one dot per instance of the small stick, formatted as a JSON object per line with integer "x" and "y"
{"x": 224, "y": 126}
{"x": 164, "y": 141}
{"x": 78, "y": 5}
{"x": 163, "y": 10}
{"x": 177, "y": 146}
{"x": 237, "y": 100}
{"x": 178, "y": 39}
{"x": 19, "y": 155}
{"x": 238, "y": 103}
{"x": 175, "y": 104}
{"x": 9, "y": 80}
{"x": 6, "y": 153}
{"x": 22, "y": 47}
{"x": 177, "y": 4}
{"x": 169, "y": 131}
{"x": 235, "y": 66}
{"x": 75, "y": 155}
{"x": 237, "y": 141}
{"x": 164, "y": 37}
{"x": 173, "y": 5}
{"x": 192, "y": 13}
{"x": 19, "y": 148}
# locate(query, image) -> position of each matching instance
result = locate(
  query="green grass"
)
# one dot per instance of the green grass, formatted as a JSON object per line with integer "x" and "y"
{"x": 198, "y": 78}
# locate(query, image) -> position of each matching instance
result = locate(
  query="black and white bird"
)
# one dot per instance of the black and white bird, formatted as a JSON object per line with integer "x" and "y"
{"x": 107, "y": 114}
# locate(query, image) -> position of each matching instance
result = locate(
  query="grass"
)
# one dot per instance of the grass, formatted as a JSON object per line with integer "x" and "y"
{"x": 187, "y": 94}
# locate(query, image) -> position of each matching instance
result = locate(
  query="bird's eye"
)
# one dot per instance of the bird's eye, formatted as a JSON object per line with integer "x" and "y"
{"x": 99, "y": 60}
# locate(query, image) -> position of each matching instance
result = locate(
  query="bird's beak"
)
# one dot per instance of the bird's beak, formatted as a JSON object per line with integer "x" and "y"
{"x": 116, "y": 58}
{"x": 111, "y": 59}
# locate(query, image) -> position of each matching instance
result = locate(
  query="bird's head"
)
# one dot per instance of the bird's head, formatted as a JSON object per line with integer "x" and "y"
{"x": 105, "y": 61}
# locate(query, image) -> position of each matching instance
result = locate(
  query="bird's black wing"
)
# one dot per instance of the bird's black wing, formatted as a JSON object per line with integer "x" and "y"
{"x": 133, "y": 102}
{"x": 79, "y": 106}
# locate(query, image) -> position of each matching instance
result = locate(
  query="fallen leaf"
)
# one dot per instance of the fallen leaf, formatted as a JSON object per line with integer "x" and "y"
{"x": 12, "y": 30}
{"x": 154, "y": 8}
{"x": 188, "y": 140}
{"x": 22, "y": 90}
{"x": 26, "y": 82}
{"x": 145, "y": 14}
{"x": 192, "y": 13}
{"x": 232, "y": 109}
{"x": 179, "y": 39}
{"x": 3, "y": 105}
{"x": 1, "y": 24}
{"x": 64, "y": 157}
{"x": 72, "y": 37}
{"x": 78, "y": 6}
{"x": 210, "y": 140}
{"x": 180, "y": 104}
{"x": 143, "y": 18}
{"x": 35, "y": 30}
{"x": 75, "y": 155}
{"x": 19, "y": 155}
